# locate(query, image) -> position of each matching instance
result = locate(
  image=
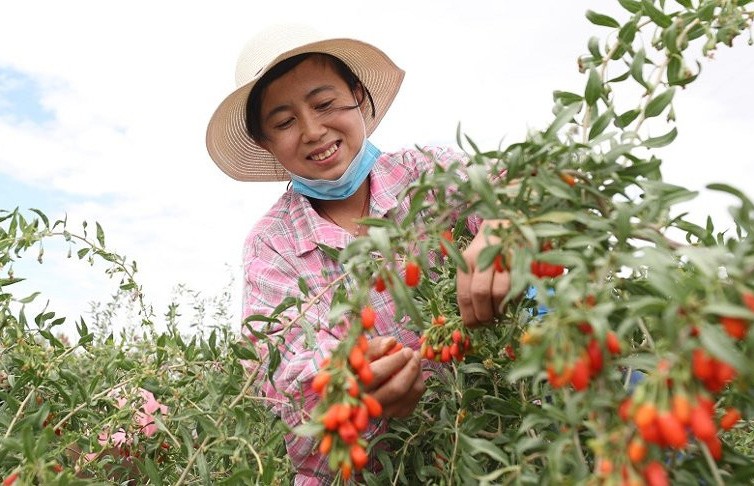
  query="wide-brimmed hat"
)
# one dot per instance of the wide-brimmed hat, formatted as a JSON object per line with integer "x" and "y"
{"x": 228, "y": 141}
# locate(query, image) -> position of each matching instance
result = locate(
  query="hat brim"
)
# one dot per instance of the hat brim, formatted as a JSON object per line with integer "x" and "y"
{"x": 228, "y": 141}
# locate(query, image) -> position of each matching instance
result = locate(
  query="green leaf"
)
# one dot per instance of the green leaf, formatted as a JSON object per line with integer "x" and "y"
{"x": 637, "y": 67}
{"x": 564, "y": 116}
{"x": 308, "y": 429}
{"x": 627, "y": 33}
{"x": 151, "y": 470}
{"x": 625, "y": 119}
{"x": 42, "y": 216}
{"x": 662, "y": 140}
{"x": 594, "y": 48}
{"x": 473, "y": 446}
{"x": 600, "y": 19}
{"x": 631, "y": 5}
{"x": 657, "y": 16}
{"x": 732, "y": 190}
{"x": 658, "y": 104}
{"x": 593, "y": 87}
{"x": 100, "y": 236}
{"x": 560, "y": 217}
{"x": 685, "y": 3}
{"x": 601, "y": 123}
{"x": 566, "y": 97}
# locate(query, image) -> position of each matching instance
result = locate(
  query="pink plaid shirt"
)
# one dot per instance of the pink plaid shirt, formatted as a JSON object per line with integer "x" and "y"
{"x": 280, "y": 249}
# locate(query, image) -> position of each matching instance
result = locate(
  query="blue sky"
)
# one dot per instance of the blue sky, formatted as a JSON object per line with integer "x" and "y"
{"x": 103, "y": 116}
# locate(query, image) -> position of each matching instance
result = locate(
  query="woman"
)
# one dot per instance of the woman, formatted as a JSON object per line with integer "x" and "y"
{"x": 303, "y": 110}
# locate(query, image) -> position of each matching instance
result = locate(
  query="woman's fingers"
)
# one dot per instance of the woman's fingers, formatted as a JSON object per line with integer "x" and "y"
{"x": 401, "y": 382}
{"x": 386, "y": 367}
{"x": 379, "y": 346}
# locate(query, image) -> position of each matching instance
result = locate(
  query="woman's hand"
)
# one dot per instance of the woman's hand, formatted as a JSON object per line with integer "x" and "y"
{"x": 481, "y": 293}
{"x": 398, "y": 383}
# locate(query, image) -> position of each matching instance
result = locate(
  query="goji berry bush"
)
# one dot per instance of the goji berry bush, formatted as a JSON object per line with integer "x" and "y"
{"x": 623, "y": 354}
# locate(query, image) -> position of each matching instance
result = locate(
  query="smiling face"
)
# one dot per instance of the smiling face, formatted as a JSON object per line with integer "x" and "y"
{"x": 311, "y": 121}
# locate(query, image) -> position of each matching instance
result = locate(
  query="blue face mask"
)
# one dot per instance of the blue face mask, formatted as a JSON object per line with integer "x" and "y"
{"x": 347, "y": 184}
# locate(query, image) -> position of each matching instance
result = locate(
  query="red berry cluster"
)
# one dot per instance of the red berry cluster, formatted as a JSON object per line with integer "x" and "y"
{"x": 546, "y": 270}
{"x": 346, "y": 408}
{"x": 588, "y": 364}
{"x": 445, "y": 340}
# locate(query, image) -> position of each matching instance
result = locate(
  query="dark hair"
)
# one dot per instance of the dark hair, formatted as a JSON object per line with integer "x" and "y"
{"x": 254, "y": 102}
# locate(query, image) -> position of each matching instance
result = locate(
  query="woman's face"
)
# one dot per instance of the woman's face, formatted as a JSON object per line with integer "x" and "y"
{"x": 305, "y": 125}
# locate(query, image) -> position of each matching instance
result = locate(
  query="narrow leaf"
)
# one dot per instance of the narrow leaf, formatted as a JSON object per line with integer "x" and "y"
{"x": 600, "y": 19}
{"x": 658, "y": 104}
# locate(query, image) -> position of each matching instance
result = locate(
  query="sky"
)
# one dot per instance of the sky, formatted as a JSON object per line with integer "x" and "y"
{"x": 104, "y": 107}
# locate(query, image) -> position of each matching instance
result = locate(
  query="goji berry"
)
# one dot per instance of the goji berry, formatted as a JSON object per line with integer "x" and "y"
{"x": 445, "y": 354}
{"x": 567, "y": 178}
{"x": 366, "y": 375}
{"x": 446, "y": 236}
{"x": 330, "y": 418}
{"x": 456, "y": 336}
{"x": 580, "y": 375}
{"x": 413, "y": 274}
{"x": 363, "y": 343}
{"x": 368, "y": 317}
{"x": 396, "y": 347}
{"x": 655, "y": 474}
{"x": 672, "y": 430}
{"x": 348, "y": 433}
{"x": 651, "y": 432}
{"x": 360, "y": 418}
{"x": 499, "y": 264}
{"x": 624, "y": 409}
{"x": 10, "y": 479}
{"x": 379, "y": 284}
{"x": 455, "y": 351}
{"x": 724, "y": 372}
{"x": 320, "y": 381}
{"x": 645, "y": 414}
{"x": 637, "y": 450}
{"x": 702, "y": 424}
{"x": 342, "y": 412}
{"x": 510, "y": 352}
{"x": 353, "y": 387}
{"x": 701, "y": 365}
{"x": 681, "y": 408}
{"x": 731, "y": 418}
{"x": 558, "y": 380}
{"x": 715, "y": 447}
{"x": 345, "y": 470}
{"x": 585, "y": 327}
{"x": 325, "y": 444}
{"x": 356, "y": 358}
{"x": 596, "y": 360}
{"x": 735, "y": 327}
{"x": 748, "y": 300}
{"x": 358, "y": 457}
{"x": 604, "y": 466}
{"x": 613, "y": 343}
{"x": 373, "y": 406}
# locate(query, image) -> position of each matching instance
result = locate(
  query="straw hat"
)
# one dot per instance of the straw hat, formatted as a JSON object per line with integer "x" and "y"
{"x": 228, "y": 141}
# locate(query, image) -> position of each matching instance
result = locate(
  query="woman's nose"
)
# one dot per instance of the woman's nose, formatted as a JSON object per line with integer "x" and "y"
{"x": 312, "y": 129}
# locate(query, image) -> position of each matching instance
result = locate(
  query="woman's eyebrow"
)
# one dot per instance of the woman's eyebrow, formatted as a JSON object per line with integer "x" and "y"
{"x": 311, "y": 94}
